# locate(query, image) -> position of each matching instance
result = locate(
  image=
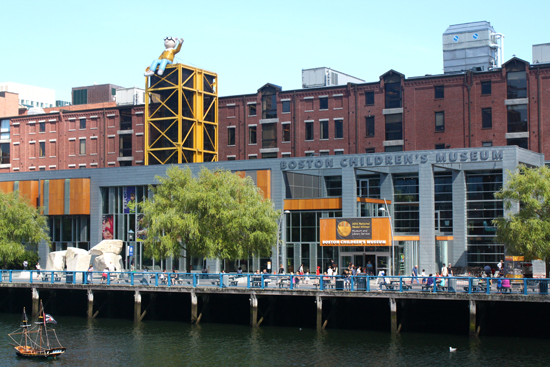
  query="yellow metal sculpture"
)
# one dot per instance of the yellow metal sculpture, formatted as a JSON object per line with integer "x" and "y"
{"x": 181, "y": 113}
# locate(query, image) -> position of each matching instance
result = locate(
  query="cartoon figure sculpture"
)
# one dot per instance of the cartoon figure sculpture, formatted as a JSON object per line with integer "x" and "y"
{"x": 167, "y": 57}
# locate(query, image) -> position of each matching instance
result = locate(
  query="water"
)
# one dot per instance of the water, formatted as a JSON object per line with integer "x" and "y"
{"x": 110, "y": 342}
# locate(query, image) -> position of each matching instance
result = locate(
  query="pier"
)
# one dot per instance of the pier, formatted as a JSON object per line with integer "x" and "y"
{"x": 319, "y": 301}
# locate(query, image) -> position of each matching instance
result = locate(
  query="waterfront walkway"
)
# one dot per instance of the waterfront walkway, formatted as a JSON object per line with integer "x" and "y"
{"x": 280, "y": 283}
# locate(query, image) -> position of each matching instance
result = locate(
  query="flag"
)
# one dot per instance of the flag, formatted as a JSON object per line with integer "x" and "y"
{"x": 49, "y": 319}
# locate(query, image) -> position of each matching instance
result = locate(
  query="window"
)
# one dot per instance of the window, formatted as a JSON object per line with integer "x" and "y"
{"x": 82, "y": 123}
{"x": 393, "y": 148}
{"x": 252, "y": 135}
{"x": 487, "y": 144}
{"x": 439, "y": 92}
{"x": 486, "y": 118}
{"x": 309, "y": 130}
{"x": 42, "y": 149}
{"x": 42, "y": 126}
{"x": 339, "y": 152}
{"x": 517, "y": 118}
{"x": 286, "y": 132}
{"x": 324, "y": 129}
{"x": 334, "y": 186}
{"x": 269, "y": 106}
{"x": 323, "y": 103}
{"x": 113, "y": 91}
{"x": 80, "y": 96}
{"x": 231, "y": 136}
{"x": 338, "y": 129}
{"x": 5, "y": 129}
{"x": 4, "y": 153}
{"x": 253, "y": 156}
{"x": 252, "y": 109}
{"x": 269, "y": 155}
{"x": 324, "y": 152}
{"x": 369, "y": 122}
{"x": 486, "y": 88}
{"x": 394, "y": 124}
{"x": 82, "y": 146}
{"x": 125, "y": 120}
{"x": 440, "y": 121}
{"x": 516, "y": 84}
{"x": 520, "y": 142}
{"x": 310, "y": 154}
{"x": 369, "y": 98}
{"x": 286, "y": 106}
{"x": 269, "y": 136}
{"x": 440, "y": 146}
{"x": 231, "y": 111}
{"x": 285, "y": 155}
{"x": 370, "y": 150}
{"x": 393, "y": 93}
{"x": 125, "y": 145}
{"x": 230, "y": 157}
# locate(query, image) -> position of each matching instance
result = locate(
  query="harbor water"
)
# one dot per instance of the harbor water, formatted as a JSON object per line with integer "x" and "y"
{"x": 114, "y": 342}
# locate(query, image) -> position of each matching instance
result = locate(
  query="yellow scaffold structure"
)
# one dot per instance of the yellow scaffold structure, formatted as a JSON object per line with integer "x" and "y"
{"x": 181, "y": 116}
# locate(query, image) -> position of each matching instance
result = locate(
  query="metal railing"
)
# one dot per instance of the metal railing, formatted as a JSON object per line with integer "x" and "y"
{"x": 360, "y": 283}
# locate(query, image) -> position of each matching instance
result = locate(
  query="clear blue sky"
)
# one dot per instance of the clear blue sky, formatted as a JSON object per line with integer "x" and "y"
{"x": 65, "y": 44}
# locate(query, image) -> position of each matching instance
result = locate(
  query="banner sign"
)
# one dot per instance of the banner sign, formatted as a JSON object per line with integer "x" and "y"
{"x": 375, "y": 231}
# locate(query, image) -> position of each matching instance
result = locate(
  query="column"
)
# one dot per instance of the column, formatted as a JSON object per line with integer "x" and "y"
{"x": 35, "y": 303}
{"x": 427, "y": 219}
{"x": 90, "y": 312}
{"x": 472, "y": 317}
{"x": 137, "y": 306}
{"x": 253, "y": 310}
{"x": 319, "y": 302}
{"x": 393, "y": 315}
{"x": 194, "y": 307}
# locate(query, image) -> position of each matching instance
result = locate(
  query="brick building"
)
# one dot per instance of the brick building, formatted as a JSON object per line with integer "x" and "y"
{"x": 505, "y": 106}
{"x": 82, "y": 136}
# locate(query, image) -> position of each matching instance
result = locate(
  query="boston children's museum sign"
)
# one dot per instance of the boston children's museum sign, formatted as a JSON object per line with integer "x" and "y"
{"x": 395, "y": 159}
{"x": 355, "y": 231}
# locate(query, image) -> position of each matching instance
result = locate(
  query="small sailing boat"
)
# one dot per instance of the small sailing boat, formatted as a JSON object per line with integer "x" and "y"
{"x": 37, "y": 341}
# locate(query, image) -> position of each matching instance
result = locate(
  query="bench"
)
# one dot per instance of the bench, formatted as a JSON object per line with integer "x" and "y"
{"x": 46, "y": 277}
{"x": 429, "y": 287}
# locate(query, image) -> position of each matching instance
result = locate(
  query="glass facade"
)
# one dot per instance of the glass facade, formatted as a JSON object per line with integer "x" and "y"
{"x": 302, "y": 241}
{"x": 481, "y": 209}
{"x": 405, "y": 203}
{"x": 69, "y": 231}
{"x": 443, "y": 202}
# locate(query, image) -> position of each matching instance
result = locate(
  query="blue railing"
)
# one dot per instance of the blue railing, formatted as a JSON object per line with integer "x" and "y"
{"x": 360, "y": 283}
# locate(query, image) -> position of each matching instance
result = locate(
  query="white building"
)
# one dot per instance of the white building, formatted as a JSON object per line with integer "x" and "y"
{"x": 30, "y": 96}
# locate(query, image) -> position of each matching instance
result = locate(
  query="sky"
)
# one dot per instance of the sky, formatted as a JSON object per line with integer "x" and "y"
{"x": 65, "y": 44}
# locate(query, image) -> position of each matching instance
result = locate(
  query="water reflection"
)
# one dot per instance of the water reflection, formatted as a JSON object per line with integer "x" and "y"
{"x": 124, "y": 343}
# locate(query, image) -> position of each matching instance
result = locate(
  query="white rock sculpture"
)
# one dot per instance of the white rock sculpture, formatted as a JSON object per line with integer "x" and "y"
{"x": 103, "y": 261}
{"x": 77, "y": 259}
{"x": 56, "y": 260}
{"x": 107, "y": 246}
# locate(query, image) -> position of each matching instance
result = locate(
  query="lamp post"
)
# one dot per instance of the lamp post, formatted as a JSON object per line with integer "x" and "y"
{"x": 280, "y": 241}
{"x": 386, "y": 209}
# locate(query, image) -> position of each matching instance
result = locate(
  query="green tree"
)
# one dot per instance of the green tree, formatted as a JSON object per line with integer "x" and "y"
{"x": 20, "y": 225}
{"x": 527, "y": 232}
{"x": 215, "y": 215}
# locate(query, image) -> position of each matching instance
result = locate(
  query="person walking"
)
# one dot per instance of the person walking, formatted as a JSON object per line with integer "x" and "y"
{"x": 444, "y": 271}
{"x": 25, "y": 265}
{"x": 37, "y": 266}
{"x": 415, "y": 274}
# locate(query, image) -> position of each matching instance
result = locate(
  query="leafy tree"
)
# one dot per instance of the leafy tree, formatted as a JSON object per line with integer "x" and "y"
{"x": 527, "y": 232}
{"x": 19, "y": 223}
{"x": 215, "y": 215}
